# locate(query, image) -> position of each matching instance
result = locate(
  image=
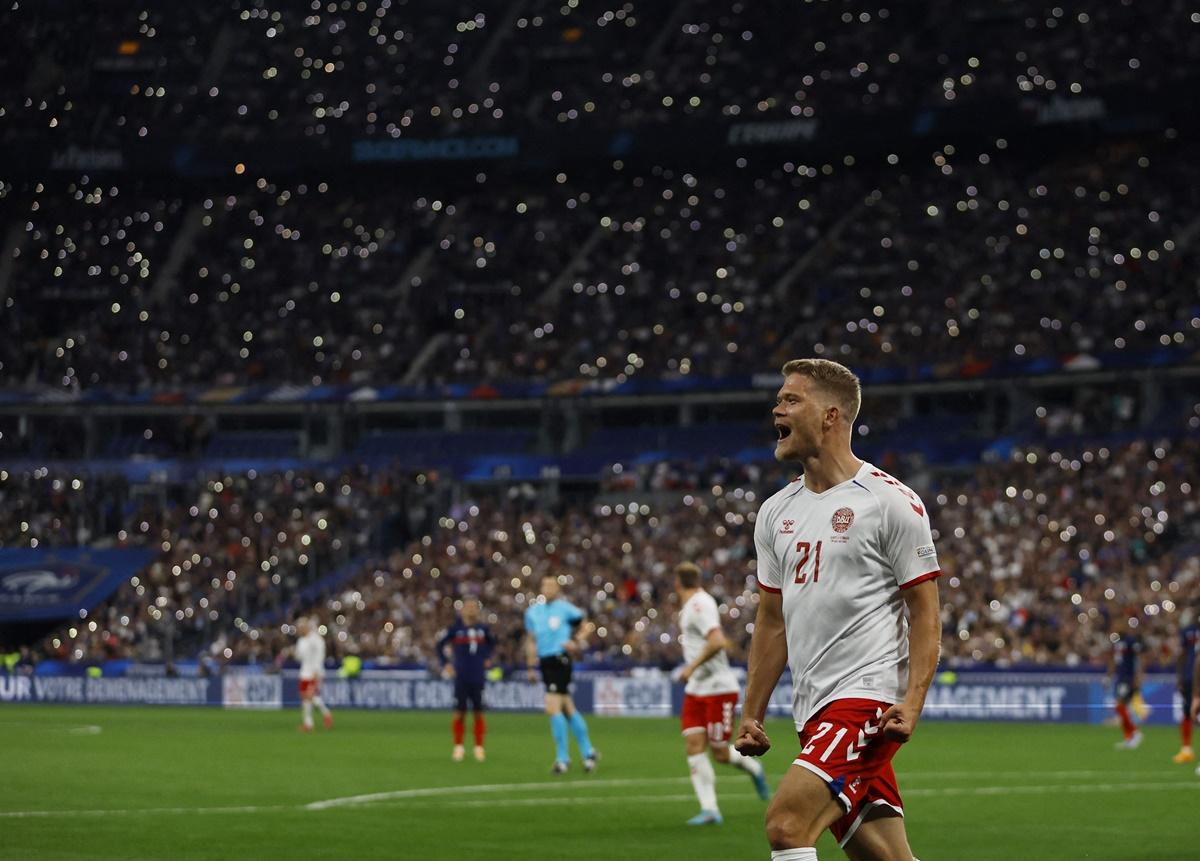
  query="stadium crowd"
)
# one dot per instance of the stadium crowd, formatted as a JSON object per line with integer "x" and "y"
{"x": 656, "y": 273}
{"x": 600, "y": 272}
{"x": 249, "y": 70}
{"x": 227, "y": 548}
{"x": 609, "y": 271}
{"x": 1043, "y": 553}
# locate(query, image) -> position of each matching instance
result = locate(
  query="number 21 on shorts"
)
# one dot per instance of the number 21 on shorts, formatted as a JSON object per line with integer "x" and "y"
{"x": 821, "y": 730}
{"x": 808, "y": 551}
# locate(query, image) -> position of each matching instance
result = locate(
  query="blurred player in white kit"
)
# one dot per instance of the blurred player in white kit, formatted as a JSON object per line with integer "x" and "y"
{"x": 310, "y": 652}
{"x": 710, "y": 698}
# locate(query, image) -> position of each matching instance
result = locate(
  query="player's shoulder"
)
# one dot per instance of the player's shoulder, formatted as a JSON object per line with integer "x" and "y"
{"x": 891, "y": 494}
{"x": 873, "y": 478}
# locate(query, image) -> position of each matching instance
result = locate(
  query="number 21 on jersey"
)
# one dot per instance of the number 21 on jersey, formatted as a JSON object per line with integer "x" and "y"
{"x": 808, "y": 551}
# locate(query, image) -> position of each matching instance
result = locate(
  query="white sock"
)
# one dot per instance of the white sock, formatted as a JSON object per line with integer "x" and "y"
{"x": 808, "y": 853}
{"x": 306, "y": 710}
{"x": 704, "y": 781}
{"x": 748, "y": 764}
{"x": 320, "y": 703}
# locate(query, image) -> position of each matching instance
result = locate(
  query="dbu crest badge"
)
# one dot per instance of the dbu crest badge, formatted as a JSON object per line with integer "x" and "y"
{"x": 843, "y": 519}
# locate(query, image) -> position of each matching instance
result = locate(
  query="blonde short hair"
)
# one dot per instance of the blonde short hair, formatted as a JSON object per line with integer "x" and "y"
{"x": 688, "y": 574}
{"x": 835, "y": 378}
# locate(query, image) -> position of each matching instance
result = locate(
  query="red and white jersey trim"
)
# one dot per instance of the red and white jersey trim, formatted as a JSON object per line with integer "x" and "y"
{"x": 932, "y": 575}
{"x": 766, "y": 588}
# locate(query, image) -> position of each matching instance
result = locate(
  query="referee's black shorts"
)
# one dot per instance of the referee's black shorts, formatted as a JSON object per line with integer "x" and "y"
{"x": 556, "y": 674}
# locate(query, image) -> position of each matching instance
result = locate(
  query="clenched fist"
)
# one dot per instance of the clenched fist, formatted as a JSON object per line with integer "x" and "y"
{"x": 751, "y": 740}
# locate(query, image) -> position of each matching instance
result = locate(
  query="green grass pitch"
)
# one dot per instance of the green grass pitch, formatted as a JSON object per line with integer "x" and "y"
{"x": 179, "y": 784}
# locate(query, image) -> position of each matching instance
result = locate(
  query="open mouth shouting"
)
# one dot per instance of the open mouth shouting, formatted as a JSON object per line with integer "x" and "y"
{"x": 782, "y": 431}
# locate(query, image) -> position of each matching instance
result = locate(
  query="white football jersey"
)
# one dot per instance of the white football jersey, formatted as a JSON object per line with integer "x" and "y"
{"x": 840, "y": 559}
{"x": 310, "y": 651}
{"x": 696, "y": 619}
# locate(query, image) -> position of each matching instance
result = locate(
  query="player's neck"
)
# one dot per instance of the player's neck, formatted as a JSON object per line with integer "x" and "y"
{"x": 829, "y": 468}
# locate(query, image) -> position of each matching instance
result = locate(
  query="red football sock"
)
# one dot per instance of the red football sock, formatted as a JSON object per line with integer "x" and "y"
{"x": 480, "y": 729}
{"x": 1185, "y": 730}
{"x": 460, "y": 729}
{"x": 1127, "y": 725}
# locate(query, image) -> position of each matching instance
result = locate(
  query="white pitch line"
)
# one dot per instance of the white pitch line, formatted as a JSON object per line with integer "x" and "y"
{"x": 152, "y": 811}
{"x": 424, "y": 797}
{"x": 1035, "y": 789}
{"x": 1047, "y": 788}
{"x": 904, "y": 776}
{"x": 85, "y": 729}
{"x": 561, "y": 802}
{"x": 485, "y": 788}
{"x": 490, "y": 788}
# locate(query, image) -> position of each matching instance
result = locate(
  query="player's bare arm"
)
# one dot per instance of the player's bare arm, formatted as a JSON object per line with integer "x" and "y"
{"x": 768, "y": 657}
{"x": 447, "y": 663}
{"x": 530, "y": 658}
{"x": 714, "y": 644}
{"x": 1196, "y": 692}
{"x": 585, "y": 631}
{"x": 579, "y": 642}
{"x": 924, "y": 647}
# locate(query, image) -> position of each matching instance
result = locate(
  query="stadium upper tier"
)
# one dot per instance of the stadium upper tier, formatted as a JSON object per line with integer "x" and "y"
{"x": 953, "y": 264}
{"x": 248, "y": 70}
{"x": 1043, "y": 552}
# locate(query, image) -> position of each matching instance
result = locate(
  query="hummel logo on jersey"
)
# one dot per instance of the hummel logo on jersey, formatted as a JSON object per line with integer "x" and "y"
{"x": 788, "y": 526}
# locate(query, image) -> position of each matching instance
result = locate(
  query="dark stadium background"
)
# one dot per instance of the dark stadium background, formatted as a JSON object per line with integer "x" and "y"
{"x": 351, "y": 309}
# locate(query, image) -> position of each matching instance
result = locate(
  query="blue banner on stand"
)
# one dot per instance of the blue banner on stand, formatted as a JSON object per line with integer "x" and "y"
{"x": 56, "y": 584}
{"x": 79, "y": 690}
{"x": 1053, "y": 697}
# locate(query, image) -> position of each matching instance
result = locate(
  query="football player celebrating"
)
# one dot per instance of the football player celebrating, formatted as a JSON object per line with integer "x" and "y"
{"x": 847, "y": 571}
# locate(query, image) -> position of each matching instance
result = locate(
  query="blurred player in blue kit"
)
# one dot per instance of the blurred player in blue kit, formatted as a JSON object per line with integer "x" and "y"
{"x": 1189, "y": 638}
{"x": 557, "y": 630}
{"x": 1125, "y": 670}
{"x": 1194, "y": 710}
{"x": 472, "y": 643}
